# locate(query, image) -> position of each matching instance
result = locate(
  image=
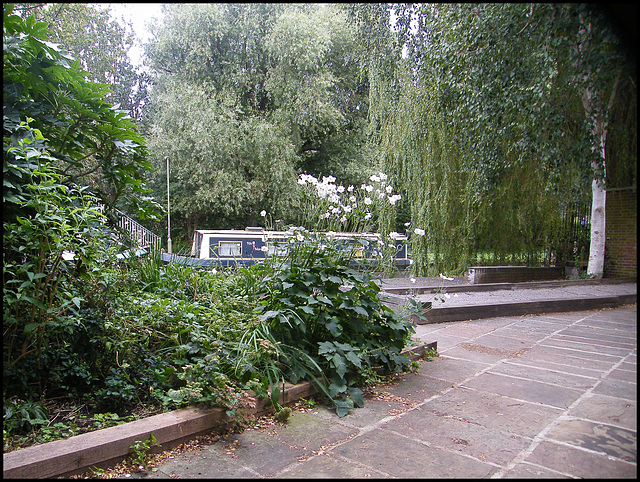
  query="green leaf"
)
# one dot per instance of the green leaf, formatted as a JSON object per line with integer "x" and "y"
{"x": 269, "y": 315}
{"x": 326, "y": 347}
{"x": 360, "y": 310}
{"x": 357, "y": 396}
{"x": 324, "y": 300}
{"x": 334, "y": 327}
{"x": 343, "y": 406}
{"x": 339, "y": 364}
{"x": 30, "y": 327}
{"x": 307, "y": 309}
{"x": 353, "y": 358}
{"x": 339, "y": 387}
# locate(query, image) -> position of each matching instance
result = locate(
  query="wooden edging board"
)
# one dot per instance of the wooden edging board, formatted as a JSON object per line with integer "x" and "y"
{"x": 109, "y": 446}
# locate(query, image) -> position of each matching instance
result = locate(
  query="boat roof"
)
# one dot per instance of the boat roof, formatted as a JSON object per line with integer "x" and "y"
{"x": 258, "y": 231}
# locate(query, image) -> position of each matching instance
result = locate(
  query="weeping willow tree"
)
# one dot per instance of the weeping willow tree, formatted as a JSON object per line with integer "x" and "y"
{"x": 520, "y": 223}
{"x": 512, "y": 215}
{"x": 495, "y": 117}
{"x": 440, "y": 187}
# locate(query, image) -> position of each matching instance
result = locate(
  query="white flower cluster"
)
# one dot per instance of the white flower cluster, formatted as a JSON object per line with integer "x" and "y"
{"x": 342, "y": 202}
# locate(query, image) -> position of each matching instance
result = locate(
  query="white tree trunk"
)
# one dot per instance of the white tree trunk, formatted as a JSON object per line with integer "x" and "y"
{"x": 595, "y": 269}
{"x": 598, "y": 230}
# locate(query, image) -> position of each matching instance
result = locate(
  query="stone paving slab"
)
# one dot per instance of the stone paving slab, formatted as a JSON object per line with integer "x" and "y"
{"x": 516, "y": 417}
{"x": 458, "y": 435}
{"x": 614, "y": 441}
{"x": 406, "y": 457}
{"x": 559, "y": 407}
{"x": 605, "y": 409}
{"x": 577, "y": 462}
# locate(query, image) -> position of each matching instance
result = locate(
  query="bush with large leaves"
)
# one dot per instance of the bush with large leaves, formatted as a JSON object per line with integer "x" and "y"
{"x": 43, "y": 288}
{"x": 93, "y": 142}
{"x": 315, "y": 302}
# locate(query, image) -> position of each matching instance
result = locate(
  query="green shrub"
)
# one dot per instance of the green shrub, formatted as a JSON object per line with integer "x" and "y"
{"x": 315, "y": 301}
{"x": 42, "y": 293}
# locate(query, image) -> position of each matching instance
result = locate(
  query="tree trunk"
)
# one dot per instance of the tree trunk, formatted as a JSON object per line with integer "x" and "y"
{"x": 597, "y": 115}
{"x": 595, "y": 269}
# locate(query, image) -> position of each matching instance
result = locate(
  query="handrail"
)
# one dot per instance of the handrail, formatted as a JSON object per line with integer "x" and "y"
{"x": 136, "y": 231}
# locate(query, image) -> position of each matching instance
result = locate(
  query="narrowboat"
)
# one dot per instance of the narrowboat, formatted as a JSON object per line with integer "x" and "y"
{"x": 245, "y": 247}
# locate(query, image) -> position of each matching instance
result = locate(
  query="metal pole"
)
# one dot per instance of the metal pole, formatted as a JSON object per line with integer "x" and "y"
{"x": 168, "y": 212}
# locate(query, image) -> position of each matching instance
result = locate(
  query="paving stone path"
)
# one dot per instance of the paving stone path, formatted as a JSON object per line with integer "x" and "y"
{"x": 544, "y": 396}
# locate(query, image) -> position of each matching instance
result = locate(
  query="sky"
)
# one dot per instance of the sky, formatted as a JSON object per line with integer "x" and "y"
{"x": 139, "y": 14}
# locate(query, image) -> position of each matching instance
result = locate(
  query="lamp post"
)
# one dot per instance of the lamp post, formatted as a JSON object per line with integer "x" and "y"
{"x": 168, "y": 212}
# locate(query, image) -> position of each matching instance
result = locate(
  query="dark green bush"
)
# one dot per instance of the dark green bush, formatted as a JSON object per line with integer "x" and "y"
{"x": 314, "y": 300}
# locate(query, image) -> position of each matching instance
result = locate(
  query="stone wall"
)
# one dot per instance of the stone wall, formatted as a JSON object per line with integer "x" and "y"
{"x": 513, "y": 274}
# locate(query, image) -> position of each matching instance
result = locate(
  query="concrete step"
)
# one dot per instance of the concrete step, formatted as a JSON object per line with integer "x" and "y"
{"x": 475, "y": 312}
{"x": 467, "y": 302}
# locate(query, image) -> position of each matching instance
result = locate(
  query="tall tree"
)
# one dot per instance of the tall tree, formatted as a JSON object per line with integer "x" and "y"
{"x": 250, "y": 95}
{"x": 101, "y": 43}
{"x": 517, "y": 84}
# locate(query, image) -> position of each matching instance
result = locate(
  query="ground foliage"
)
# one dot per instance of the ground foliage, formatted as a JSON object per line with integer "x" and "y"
{"x": 143, "y": 334}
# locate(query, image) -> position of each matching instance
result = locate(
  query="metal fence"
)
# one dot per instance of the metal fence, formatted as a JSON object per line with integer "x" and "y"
{"x": 575, "y": 232}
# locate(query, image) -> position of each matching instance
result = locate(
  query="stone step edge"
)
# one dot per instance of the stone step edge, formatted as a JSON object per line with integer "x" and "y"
{"x": 413, "y": 290}
{"x": 106, "y": 447}
{"x": 476, "y": 312}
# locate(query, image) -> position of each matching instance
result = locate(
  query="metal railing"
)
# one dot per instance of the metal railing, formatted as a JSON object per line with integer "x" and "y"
{"x": 136, "y": 231}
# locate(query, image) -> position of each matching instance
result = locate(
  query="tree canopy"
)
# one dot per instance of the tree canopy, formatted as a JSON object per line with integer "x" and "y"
{"x": 508, "y": 93}
{"x": 94, "y": 143}
{"x": 246, "y": 97}
{"x": 491, "y": 120}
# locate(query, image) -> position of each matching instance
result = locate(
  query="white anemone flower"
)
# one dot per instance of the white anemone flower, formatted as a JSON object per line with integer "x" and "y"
{"x": 419, "y": 232}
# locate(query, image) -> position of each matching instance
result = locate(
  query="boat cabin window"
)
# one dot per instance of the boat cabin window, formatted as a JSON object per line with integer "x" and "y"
{"x": 278, "y": 248}
{"x": 230, "y": 248}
